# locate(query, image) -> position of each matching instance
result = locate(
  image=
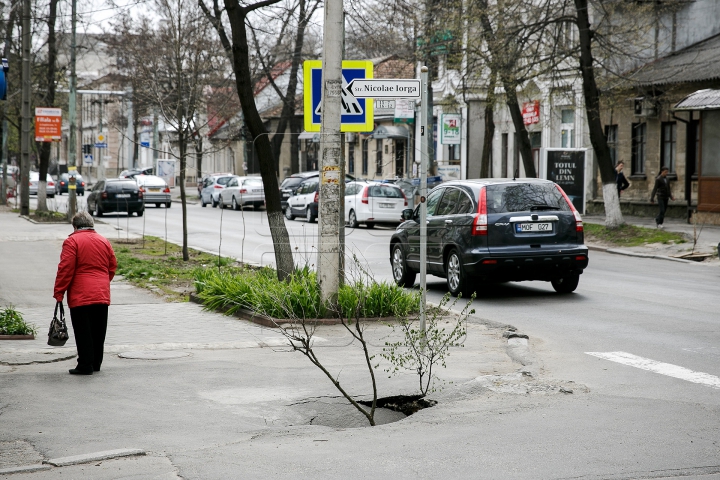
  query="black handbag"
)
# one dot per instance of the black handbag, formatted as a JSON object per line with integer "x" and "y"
{"x": 58, "y": 334}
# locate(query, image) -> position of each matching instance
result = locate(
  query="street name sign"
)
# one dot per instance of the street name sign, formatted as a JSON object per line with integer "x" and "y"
{"x": 356, "y": 114}
{"x": 385, "y": 88}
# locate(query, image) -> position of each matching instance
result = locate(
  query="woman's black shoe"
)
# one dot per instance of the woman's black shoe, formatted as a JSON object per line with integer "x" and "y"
{"x": 75, "y": 371}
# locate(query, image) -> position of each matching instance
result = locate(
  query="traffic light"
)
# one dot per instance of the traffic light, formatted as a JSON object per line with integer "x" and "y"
{"x": 87, "y": 149}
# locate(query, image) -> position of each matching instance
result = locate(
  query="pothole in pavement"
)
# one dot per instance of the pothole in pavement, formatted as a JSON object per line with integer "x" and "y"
{"x": 153, "y": 354}
{"x": 336, "y": 412}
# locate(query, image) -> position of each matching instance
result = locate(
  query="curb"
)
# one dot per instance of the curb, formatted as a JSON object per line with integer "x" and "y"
{"x": 628, "y": 253}
{"x": 94, "y": 457}
{"x": 26, "y": 469}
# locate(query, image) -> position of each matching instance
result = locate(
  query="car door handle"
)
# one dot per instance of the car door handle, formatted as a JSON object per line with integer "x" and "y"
{"x": 448, "y": 221}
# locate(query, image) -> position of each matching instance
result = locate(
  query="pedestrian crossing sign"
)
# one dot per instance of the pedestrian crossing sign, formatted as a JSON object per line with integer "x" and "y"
{"x": 357, "y": 113}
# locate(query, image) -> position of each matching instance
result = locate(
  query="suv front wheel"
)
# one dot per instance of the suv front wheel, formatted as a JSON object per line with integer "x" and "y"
{"x": 566, "y": 284}
{"x": 401, "y": 274}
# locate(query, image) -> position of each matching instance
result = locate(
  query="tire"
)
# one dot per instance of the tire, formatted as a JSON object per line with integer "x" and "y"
{"x": 235, "y": 205}
{"x": 140, "y": 213}
{"x": 403, "y": 276}
{"x": 157, "y": 205}
{"x": 288, "y": 213}
{"x": 51, "y": 196}
{"x": 98, "y": 210}
{"x": 202, "y": 202}
{"x": 457, "y": 281}
{"x": 214, "y": 203}
{"x": 309, "y": 215}
{"x": 370, "y": 225}
{"x": 566, "y": 284}
{"x": 59, "y": 193}
{"x": 352, "y": 219}
{"x": 168, "y": 204}
{"x": 258, "y": 205}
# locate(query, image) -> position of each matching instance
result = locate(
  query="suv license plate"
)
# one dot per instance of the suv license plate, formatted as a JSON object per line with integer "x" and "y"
{"x": 387, "y": 205}
{"x": 533, "y": 227}
{"x": 122, "y": 195}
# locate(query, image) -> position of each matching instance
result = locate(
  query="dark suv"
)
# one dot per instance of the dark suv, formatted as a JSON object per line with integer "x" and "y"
{"x": 493, "y": 230}
{"x": 116, "y": 195}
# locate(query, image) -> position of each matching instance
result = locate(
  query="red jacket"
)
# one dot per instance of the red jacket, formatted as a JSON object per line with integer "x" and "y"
{"x": 87, "y": 265}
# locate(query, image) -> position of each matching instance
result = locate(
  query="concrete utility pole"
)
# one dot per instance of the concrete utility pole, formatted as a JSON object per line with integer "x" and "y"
{"x": 3, "y": 189}
{"x": 156, "y": 139}
{"x": 72, "y": 112}
{"x": 331, "y": 233}
{"x": 25, "y": 125}
{"x": 425, "y": 124}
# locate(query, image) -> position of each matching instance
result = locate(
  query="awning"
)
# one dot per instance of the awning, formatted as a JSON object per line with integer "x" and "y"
{"x": 701, "y": 100}
{"x": 393, "y": 132}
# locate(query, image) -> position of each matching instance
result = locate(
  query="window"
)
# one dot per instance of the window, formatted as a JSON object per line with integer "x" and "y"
{"x": 432, "y": 201}
{"x": 567, "y": 128}
{"x": 351, "y": 190}
{"x": 365, "y": 156}
{"x": 465, "y": 204}
{"x": 639, "y": 141}
{"x": 379, "y": 157}
{"x": 611, "y": 139}
{"x": 385, "y": 191}
{"x": 448, "y": 202}
{"x": 504, "y": 156}
{"x": 668, "y": 141}
{"x": 351, "y": 159}
{"x": 524, "y": 197}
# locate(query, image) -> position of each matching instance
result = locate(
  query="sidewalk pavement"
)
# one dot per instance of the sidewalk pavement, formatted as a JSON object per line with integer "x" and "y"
{"x": 177, "y": 380}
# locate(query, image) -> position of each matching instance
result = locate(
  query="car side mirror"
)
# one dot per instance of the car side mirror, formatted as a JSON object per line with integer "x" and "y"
{"x": 407, "y": 214}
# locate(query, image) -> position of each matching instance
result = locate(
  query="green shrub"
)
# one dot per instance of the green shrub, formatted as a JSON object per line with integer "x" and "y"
{"x": 299, "y": 297}
{"x": 12, "y": 323}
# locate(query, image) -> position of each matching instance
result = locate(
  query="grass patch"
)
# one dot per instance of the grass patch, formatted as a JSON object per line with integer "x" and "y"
{"x": 261, "y": 291}
{"x": 630, "y": 235}
{"x": 45, "y": 216}
{"x": 160, "y": 267}
{"x": 12, "y": 323}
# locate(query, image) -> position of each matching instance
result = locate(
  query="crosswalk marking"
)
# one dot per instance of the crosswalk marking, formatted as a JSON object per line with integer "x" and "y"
{"x": 668, "y": 369}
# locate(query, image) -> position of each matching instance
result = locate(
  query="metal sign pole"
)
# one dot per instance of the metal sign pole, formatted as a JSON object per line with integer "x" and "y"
{"x": 423, "y": 193}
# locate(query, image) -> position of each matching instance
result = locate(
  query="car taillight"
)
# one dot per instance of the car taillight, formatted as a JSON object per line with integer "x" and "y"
{"x": 243, "y": 190}
{"x": 218, "y": 187}
{"x": 316, "y": 199}
{"x": 104, "y": 195}
{"x": 578, "y": 218}
{"x": 142, "y": 189}
{"x": 82, "y": 184}
{"x": 365, "y": 195}
{"x": 51, "y": 184}
{"x": 140, "y": 194}
{"x": 167, "y": 190}
{"x": 63, "y": 183}
{"x": 404, "y": 197}
{"x": 480, "y": 224}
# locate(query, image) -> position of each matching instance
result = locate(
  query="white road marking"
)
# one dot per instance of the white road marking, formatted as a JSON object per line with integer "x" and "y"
{"x": 668, "y": 369}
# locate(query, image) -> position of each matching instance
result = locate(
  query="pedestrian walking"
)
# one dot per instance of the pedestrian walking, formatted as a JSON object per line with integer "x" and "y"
{"x": 622, "y": 183}
{"x": 664, "y": 195}
{"x": 87, "y": 265}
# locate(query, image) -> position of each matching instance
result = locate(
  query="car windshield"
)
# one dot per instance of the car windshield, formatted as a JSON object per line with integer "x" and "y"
{"x": 121, "y": 186}
{"x": 524, "y": 197}
{"x": 223, "y": 180}
{"x": 255, "y": 182}
{"x": 291, "y": 182}
{"x": 150, "y": 181}
{"x": 385, "y": 191}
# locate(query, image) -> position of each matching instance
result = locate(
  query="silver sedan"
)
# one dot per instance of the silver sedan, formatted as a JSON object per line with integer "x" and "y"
{"x": 35, "y": 179}
{"x": 241, "y": 191}
{"x": 155, "y": 190}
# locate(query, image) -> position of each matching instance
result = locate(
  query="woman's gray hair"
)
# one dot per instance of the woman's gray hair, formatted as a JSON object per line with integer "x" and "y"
{"x": 83, "y": 220}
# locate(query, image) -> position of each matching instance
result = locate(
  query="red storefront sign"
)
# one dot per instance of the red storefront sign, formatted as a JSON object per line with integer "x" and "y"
{"x": 48, "y": 124}
{"x": 531, "y": 112}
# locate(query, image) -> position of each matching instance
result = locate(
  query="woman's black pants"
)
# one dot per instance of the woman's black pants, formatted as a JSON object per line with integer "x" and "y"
{"x": 89, "y": 324}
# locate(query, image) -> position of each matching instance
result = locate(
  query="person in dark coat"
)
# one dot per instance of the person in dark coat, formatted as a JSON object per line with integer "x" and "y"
{"x": 664, "y": 195}
{"x": 622, "y": 183}
{"x": 87, "y": 265}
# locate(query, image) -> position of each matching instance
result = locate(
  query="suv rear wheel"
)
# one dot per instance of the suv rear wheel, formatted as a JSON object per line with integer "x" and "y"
{"x": 288, "y": 213}
{"x": 401, "y": 274}
{"x": 457, "y": 281}
{"x": 566, "y": 284}
{"x": 352, "y": 219}
{"x": 309, "y": 215}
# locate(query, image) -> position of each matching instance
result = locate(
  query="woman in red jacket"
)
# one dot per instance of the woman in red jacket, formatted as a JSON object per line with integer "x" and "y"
{"x": 87, "y": 265}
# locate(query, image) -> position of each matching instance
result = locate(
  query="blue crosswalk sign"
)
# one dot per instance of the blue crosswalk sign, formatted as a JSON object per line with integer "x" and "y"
{"x": 357, "y": 113}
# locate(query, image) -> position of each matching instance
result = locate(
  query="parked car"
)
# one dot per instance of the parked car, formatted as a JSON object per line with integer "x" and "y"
{"x": 35, "y": 179}
{"x": 116, "y": 195}
{"x": 202, "y": 180}
{"x": 241, "y": 191}
{"x": 494, "y": 230}
{"x": 293, "y": 181}
{"x": 373, "y": 202}
{"x": 64, "y": 181}
{"x": 304, "y": 200}
{"x": 212, "y": 186}
{"x": 134, "y": 172}
{"x": 155, "y": 190}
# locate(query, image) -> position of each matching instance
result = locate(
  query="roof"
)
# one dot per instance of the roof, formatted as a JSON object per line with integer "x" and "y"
{"x": 695, "y": 63}
{"x": 701, "y": 100}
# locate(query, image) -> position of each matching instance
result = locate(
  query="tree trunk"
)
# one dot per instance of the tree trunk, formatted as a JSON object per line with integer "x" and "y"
{"x": 613, "y": 215}
{"x": 198, "y": 156}
{"x": 182, "y": 139}
{"x": 523, "y": 143}
{"x": 241, "y": 68}
{"x": 49, "y": 102}
{"x": 489, "y": 128}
